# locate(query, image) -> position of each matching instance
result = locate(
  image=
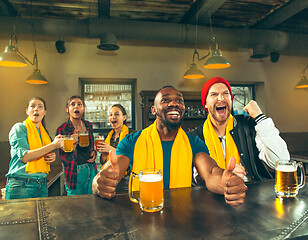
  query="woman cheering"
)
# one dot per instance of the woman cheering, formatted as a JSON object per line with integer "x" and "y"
{"x": 79, "y": 164}
{"x": 31, "y": 154}
{"x": 117, "y": 120}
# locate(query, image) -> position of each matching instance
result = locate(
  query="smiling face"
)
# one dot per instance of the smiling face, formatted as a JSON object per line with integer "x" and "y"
{"x": 169, "y": 107}
{"x": 219, "y": 103}
{"x": 75, "y": 108}
{"x": 116, "y": 118}
{"x": 36, "y": 111}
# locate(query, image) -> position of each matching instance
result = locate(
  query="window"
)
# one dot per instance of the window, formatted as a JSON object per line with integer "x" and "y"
{"x": 242, "y": 94}
{"x": 100, "y": 94}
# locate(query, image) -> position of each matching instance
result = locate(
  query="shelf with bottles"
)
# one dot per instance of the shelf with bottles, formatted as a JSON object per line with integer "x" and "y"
{"x": 99, "y": 96}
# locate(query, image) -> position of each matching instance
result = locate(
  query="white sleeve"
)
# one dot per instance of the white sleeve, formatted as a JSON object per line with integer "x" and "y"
{"x": 270, "y": 145}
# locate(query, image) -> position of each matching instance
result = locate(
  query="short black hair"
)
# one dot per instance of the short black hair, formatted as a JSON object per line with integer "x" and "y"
{"x": 167, "y": 86}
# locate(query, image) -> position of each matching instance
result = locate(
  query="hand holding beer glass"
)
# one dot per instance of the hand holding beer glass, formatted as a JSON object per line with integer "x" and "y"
{"x": 286, "y": 178}
{"x": 98, "y": 141}
{"x": 68, "y": 145}
{"x": 84, "y": 139}
{"x": 151, "y": 189}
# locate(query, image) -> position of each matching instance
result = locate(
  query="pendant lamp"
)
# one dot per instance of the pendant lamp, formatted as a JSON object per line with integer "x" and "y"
{"x": 10, "y": 56}
{"x": 194, "y": 72}
{"x": 217, "y": 61}
{"x": 303, "y": 83}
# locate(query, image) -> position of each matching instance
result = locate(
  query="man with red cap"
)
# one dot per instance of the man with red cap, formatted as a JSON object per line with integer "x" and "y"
{"x": 165, "y": 145}
{"x": 253, "y": 140}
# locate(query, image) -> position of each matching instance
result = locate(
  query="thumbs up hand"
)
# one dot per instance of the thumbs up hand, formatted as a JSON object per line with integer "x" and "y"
{"x": 234, "y": 186}
{"x": 106, "y": 181}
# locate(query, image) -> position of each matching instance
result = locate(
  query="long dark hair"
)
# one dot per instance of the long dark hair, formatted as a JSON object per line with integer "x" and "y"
{"x": 45, "y": 107}
{"x": 122, "y": 110}
{"x": 70, "y": 99}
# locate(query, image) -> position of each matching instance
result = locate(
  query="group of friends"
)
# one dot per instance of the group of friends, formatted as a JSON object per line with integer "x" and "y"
{"x": 223, "y": 153}
{"x": 32, "y": 150}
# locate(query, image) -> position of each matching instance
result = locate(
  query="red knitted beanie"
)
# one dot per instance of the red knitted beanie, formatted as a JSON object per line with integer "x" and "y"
{"x": 207, "y": 86}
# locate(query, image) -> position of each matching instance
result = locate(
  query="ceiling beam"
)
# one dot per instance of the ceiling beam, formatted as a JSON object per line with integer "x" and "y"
{"x": 104, "y": 9}
{"x": 7, "y": 9}
{"x": 202, "y": 9}
{"x": 283, "y": 13}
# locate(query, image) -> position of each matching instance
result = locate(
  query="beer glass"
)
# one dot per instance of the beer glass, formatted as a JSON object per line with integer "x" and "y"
{"x": 84, "y": 139}
{"x": 99, "y": 139}
{"x": 68, "y": 145}
{"x": 286, "y": 178}
{"x": 151, "y": 198}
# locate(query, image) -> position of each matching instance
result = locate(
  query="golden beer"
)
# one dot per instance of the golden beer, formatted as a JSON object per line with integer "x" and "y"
{"x": 286, "y": 184}
{"x": 286, "y": 181}
{"x": 99, "y": 139}
{"x": 68, "y": 144}
{"x": 151, "y": 195}
{"x": 151, "y": 192}
{"x": 83, "y": 139}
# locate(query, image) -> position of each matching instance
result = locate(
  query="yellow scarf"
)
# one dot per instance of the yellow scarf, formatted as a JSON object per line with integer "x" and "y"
{"x": 214, "y": 145}
{"x": 35, "y": 142}
{"x": 148, "y": 153}
{"x": 124, "y": 132}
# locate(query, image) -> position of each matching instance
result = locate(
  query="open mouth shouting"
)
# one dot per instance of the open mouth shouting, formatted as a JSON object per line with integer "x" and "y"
{"x": 221, "y": 109}
{"x": 113, "y": 123}
{"x": 36, "y": 115}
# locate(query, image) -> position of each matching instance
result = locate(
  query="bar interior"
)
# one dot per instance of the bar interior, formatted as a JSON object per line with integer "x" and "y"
{"x": 122, "y": 52}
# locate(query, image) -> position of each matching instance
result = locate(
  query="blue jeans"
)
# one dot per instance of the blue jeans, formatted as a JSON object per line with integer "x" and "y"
{"x": 18, "y": 188}
{"x": 85, "y": 175}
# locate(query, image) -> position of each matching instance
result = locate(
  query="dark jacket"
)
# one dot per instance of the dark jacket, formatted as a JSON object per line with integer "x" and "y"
{"x": 244, "y": 134}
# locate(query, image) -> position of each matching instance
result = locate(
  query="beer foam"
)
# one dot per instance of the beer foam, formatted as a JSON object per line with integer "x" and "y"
{"x": 150, "y": 178}
{"x": 286, "y": 168}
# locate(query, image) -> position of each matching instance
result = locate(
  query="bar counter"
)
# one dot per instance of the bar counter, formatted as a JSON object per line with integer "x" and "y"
{"x": 189, "y": 213}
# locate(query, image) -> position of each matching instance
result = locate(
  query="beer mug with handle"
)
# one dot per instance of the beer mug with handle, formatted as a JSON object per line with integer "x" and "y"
{"x": 84, "y": 139}
{"x": 151, "y": 198}
{"x": 286, "y": 180}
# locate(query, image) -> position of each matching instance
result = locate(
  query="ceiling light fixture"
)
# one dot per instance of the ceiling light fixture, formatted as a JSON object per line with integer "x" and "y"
{"x": 108, "y": 42}
{"x": 194, "y": 72}
{"x": 36, "y": 77}
{"x": 303, "y": 83}
{"x": 216, "y": 61}
{"x": 259, "y": 51}
{"x": 12, "y": 57}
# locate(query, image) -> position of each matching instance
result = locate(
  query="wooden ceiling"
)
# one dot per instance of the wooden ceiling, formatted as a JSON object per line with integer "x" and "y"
{"x": 280, "y": 15}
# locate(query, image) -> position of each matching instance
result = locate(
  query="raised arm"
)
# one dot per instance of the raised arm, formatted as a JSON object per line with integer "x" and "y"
{"x": 221, "y": 181}
{"x": 269, "y": 143}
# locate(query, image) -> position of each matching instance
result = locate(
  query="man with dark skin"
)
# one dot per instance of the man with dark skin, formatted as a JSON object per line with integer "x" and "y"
{"x": 169, "y": 109}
